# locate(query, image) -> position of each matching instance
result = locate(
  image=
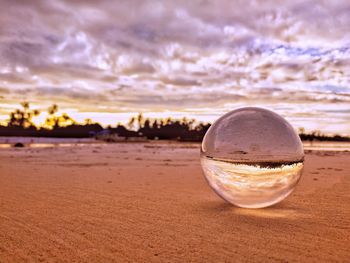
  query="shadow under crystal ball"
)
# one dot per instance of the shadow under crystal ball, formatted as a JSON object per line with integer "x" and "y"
{"x": 252, "y": 157}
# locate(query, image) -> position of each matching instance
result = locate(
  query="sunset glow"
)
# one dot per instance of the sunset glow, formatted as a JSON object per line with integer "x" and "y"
{"x": 109, "y": 60}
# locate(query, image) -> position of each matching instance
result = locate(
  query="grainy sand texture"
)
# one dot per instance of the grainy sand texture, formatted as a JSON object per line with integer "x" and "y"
{"x": 149, "y": 202}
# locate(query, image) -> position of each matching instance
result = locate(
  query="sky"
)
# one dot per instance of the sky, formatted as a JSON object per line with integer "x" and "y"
{"x": 109, "y": 60}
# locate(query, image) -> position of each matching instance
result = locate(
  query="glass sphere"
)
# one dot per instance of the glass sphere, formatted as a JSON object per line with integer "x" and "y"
{"x": 252, "y": 157}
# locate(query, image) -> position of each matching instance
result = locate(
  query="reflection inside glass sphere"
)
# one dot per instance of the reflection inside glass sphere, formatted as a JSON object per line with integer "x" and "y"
{"x": 252, "y": 157}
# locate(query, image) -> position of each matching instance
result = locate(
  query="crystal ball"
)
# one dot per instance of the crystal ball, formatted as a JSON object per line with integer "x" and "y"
{"x": 252, "y": 157}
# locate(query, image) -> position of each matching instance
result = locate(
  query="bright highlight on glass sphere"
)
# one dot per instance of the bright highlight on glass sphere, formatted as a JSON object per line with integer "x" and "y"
{"x": 252, "y": 157}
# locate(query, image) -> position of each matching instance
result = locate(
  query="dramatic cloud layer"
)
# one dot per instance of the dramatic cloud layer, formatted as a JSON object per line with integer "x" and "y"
{"x": 110, "y": 59}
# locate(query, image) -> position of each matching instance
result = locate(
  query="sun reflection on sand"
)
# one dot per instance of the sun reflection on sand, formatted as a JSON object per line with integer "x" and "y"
{"x": 282, "y": 210}
{"x": 270, "y": 212}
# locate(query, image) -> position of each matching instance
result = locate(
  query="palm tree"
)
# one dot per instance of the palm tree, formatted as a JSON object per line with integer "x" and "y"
{"x": 54, "y": 121}
{"x": 23, "y": 117}
{"x": 131, "y": 123}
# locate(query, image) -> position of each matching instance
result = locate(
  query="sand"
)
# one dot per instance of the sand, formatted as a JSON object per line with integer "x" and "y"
{"x": 150, "y": 203}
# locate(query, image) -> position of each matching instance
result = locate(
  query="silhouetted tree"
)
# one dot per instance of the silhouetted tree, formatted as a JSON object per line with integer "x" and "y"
{"x": 62, "y": 125}
{"x": 131, "y": 123}
{"x": 54, "y": 121}
{"x": 88, "y": 121}
{"x": 22, "y": 117}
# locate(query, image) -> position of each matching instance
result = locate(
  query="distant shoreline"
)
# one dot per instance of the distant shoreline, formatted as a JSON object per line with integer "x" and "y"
{"x": 20, "y": 123}
{"x": 303, "y": 137}
{"x": 88, "y": 139}
{"x": 33, "y": 142}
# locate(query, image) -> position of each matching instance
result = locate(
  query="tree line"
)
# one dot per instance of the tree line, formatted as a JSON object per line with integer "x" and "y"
{"x": 20, "y": 123}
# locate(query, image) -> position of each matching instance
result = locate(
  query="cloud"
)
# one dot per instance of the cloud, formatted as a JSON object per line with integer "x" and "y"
{"x": 178, "y": 55}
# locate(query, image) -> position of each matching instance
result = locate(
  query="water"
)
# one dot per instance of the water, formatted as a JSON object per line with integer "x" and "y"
{"x": 252, "y": 157}
{"x": 327, "y": 146}
{"x": 252, "y": 185}
{"x": 45, "y": 145}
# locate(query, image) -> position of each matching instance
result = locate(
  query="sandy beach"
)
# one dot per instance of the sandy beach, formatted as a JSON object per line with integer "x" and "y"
{"x": 149, "y": 202}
